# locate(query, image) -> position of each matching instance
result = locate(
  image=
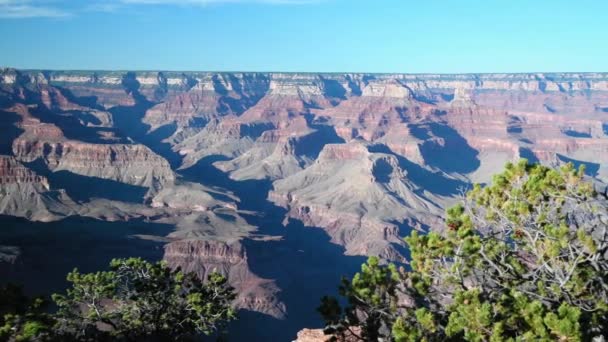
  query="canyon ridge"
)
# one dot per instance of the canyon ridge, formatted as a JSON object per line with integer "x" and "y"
{"x": 284, "y": 182}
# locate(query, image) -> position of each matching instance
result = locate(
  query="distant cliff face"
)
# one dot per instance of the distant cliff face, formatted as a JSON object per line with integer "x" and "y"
{"x": 271, "y": 178}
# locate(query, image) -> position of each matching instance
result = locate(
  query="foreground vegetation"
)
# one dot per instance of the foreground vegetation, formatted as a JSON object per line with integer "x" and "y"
{"x": 134, "y": 301}
{"x": 521, "y": 260}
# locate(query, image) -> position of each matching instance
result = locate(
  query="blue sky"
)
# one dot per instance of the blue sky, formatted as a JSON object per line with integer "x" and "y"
{"x": 443, "y": 36}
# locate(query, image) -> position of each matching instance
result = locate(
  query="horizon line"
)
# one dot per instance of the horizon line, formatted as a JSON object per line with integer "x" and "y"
{"x": 300, "y": 72}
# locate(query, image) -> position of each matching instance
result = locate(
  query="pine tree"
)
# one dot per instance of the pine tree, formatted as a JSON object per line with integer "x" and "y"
{"x": 135, "y": 300}
{"x": 23, "y": 318}
{"x": 138, "y": 300}
{"x": 522, "y": 259}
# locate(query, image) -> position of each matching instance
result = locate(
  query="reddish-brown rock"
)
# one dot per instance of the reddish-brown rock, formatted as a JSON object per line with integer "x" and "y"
{"x": 13, "y": 172}
{"x": 365, "y": 158}
{"x": 24, "y": 193}
{"x": 230, "y": 259}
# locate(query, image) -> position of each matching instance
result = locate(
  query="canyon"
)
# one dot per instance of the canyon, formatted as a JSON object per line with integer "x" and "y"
{"x": 284, "y": 182}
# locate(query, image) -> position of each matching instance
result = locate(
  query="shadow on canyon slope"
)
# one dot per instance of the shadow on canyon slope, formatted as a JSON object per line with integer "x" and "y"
{"x": 312, "y": 144}
{"x": 84, "y": 188}
{"x": 9, "y": 131}
{"x": 382, "y": 171}
{"x": 455, "y": 156}
{"x": 74, "y": 126}
{"x": 50, "y": 250}
{"x": 85, "y": 101}
{"x": 577, "y": 134}
{"x": 250, "y": 92}
{"x": 333, "y": 91}
{"x": 528, "y": 154}
{"x": 434, "y": 182}
{"x": 128, "y": 120}
{"x": 304, "y": 263}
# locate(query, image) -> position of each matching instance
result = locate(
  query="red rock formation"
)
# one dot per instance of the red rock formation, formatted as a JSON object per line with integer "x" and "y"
{"x": 24, "y": 193}
{"x": 206, "y": 256}
{"x": 130, "y": 164}
{"x": 403, "y": 135}
{"x": 357, "y": 197}
{"x": 13, "y": 172}
{"x": 206, "y": 98}
{"x": 127, "y": 163}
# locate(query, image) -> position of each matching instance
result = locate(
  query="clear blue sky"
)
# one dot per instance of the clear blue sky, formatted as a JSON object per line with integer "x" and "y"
{"x": 444, "y": 36}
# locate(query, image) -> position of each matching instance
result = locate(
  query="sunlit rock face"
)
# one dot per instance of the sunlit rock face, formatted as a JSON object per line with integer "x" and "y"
{"x": 434, "y": 132}
{"x": 360, "y": 197}
{"x": 24, "y": 193}
{"x": 272, "y": 178}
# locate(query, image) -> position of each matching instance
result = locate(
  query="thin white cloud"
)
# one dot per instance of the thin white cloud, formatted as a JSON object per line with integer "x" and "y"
{"x": 16, "y": 9}
{"x": 103, "y": 7}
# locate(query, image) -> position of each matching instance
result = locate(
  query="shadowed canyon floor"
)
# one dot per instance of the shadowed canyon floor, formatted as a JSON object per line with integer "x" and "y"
{"x": 283, "y": 182}
{"x": 301, "y": 260}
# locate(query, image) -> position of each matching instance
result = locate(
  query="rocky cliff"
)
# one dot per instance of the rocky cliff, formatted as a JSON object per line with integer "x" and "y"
{"x": 242, "y": 172}
{"x": 365, "y": 200}
{"x": 206, "y": 256}
{"x": 23, "y": 193}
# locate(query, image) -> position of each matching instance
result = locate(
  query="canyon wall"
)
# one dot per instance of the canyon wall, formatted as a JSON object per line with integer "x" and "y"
{"x": 271, "y": 178}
